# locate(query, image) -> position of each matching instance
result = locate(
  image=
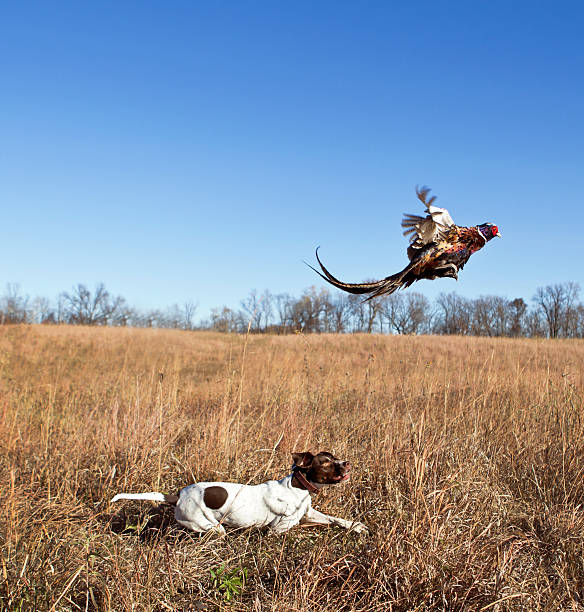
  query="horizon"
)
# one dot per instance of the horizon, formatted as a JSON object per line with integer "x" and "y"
{"x": 554, "y": 312}
{"x": 15, "y": 288}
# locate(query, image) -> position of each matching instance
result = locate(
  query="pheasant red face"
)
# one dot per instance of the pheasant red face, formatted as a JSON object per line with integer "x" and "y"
{"x": 495, "y": 230}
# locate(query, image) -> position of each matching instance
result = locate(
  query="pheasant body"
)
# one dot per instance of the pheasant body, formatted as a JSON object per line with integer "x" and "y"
{"x": 438, "y": 249}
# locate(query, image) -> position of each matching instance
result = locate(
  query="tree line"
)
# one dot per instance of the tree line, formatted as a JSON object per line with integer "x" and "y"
{"x": 555, "y": 311}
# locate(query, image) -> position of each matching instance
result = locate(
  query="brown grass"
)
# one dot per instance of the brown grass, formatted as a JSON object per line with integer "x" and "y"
{"x": 468, "y": 459}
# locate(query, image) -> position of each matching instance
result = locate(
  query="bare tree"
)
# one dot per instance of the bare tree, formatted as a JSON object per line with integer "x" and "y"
{"x": 372, "y": 308}
{"x": 501, "y": 320}
{"x": 455, "y": 314}
{"x": 406, "y": 313}
{"x": 571, "y": 310}
{"x": 579, "y": 321}
{"x": 150, "y": 318}
{"x": 171, "y": 318}
{"x": 517, "y": 309}
{"x": 557, "y": 302}
{"x": 176, "y": 316}
{"x": 267, "y": 308}
{"x": 307, "y": 312}
{"x": 338, "y": 313}
{"x": 258, "y": 308}
{"x": 391, "y": 311}
{"x": 188, "y": 314}
{"x": 61, "y": 310}
{"x": 226, "y": 320}
{"x": 84, "y": 307}
{"x": 127, "y": 316}
{"x": 535, "y": 326}
{"x": 283, "y": 303}
{"x": 490, "y": 316}
{"x": 41, "y": 310}
{"x": 14, "y": 307}
{"x": 364, "y": 313}
{"x": 357, "y": 313}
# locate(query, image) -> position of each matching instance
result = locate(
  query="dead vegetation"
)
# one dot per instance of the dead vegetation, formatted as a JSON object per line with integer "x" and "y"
{"x": 468, "y": 459}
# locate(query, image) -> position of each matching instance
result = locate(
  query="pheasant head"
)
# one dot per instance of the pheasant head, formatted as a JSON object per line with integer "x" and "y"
{"x": 488, "y": 231}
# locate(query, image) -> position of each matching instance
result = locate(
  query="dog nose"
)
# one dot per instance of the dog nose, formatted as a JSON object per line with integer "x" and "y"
{"x": 347, "y": 465}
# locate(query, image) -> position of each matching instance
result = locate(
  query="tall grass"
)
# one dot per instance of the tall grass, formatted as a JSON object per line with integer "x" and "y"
{"x": 468, "y": 458}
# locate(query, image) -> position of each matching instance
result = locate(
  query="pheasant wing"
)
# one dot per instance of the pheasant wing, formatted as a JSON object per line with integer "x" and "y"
{"x": 431, "y": 228}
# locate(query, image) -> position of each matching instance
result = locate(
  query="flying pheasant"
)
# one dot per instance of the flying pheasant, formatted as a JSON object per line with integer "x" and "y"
{"x": 438, "y": 249}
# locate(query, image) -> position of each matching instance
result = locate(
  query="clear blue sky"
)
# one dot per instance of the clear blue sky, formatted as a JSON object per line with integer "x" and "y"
{"x": 197, "y": 150}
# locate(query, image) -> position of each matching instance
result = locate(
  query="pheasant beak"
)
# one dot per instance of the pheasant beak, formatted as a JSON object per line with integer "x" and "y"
{"x": 499, "y": 234}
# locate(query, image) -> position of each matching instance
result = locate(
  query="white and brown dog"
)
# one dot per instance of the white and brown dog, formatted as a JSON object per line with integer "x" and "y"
{"x": 278, "y": 505}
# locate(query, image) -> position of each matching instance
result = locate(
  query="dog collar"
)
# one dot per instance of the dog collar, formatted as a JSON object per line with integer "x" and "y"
{"x": 301, "y": 478}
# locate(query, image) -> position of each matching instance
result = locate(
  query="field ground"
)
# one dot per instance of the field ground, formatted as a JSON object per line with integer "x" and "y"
{"x": 468, "y": 461}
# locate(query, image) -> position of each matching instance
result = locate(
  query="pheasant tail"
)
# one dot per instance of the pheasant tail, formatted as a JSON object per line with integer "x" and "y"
{"x": 376, "y": 288}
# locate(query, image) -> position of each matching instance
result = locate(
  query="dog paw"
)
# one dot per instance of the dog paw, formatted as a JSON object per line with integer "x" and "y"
{"x": 217, "y": 531}
{"x": 360, "y": 528}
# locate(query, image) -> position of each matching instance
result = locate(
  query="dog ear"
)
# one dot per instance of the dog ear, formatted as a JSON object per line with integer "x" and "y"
{"x": 302, "y": 460}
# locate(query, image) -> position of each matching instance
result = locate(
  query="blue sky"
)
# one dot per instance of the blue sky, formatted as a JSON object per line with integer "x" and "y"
{"x": 197, "y": 150}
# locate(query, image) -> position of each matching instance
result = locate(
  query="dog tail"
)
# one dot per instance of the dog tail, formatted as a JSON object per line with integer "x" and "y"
{"x": 159, "y": 497}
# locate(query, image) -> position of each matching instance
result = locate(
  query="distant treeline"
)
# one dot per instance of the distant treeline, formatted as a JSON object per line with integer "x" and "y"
{"x": 555, "y": 312}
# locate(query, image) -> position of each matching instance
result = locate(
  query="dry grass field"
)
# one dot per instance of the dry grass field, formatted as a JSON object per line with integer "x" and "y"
{"x": 468, "y": 462}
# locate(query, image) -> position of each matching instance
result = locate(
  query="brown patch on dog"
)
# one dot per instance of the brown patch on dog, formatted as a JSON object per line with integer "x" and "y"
{"x": 214, "y": 497}
{"x": 302, "y": 460}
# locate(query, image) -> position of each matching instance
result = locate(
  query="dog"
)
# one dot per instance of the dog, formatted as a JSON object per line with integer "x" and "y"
{"x": 277, "y": 505}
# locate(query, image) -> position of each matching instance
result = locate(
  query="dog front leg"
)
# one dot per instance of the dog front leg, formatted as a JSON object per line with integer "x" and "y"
{"x": 314, "y": 517}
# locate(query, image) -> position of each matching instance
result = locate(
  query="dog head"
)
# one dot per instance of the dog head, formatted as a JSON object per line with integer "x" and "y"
{"x": 323, "y": 468}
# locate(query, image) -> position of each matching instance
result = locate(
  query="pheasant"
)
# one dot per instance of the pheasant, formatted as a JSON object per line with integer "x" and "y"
{"x": 438, "y": 249}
